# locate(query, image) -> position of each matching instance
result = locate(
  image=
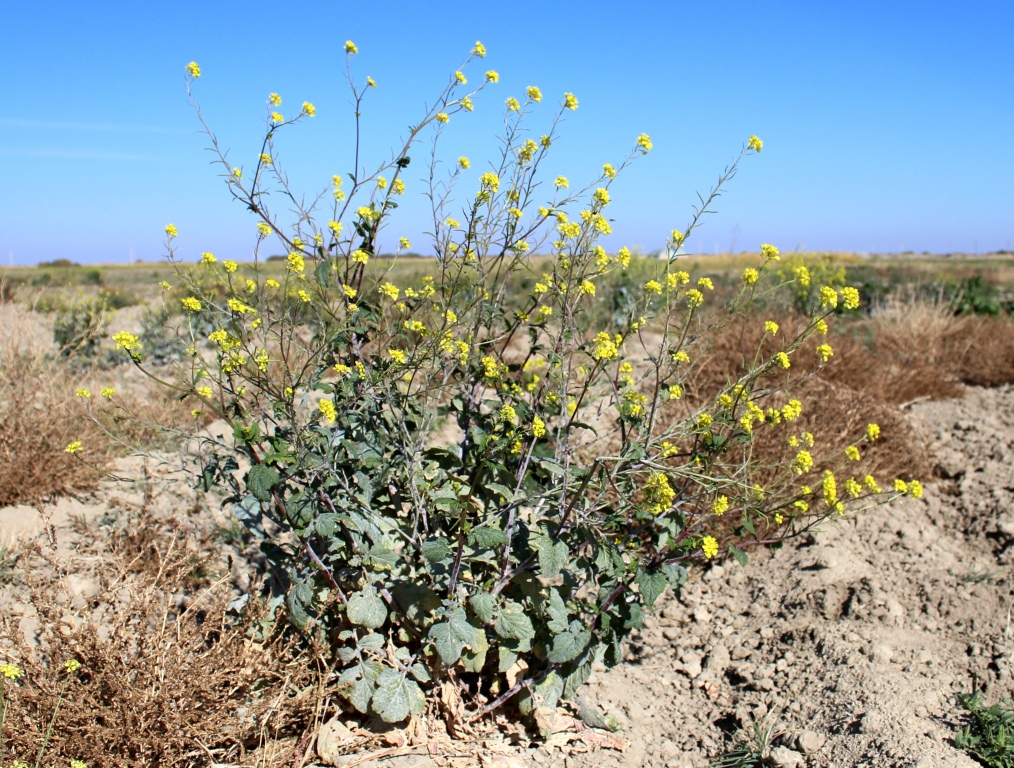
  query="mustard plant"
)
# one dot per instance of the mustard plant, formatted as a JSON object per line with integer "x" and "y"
{"x": 471, "y": 490}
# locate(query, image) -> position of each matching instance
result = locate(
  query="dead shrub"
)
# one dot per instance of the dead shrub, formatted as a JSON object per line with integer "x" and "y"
{"x": 168, "y": 676}
{"x": 39, "y": 418}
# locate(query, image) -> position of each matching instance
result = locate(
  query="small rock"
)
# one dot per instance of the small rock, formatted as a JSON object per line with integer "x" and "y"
{"x": 718, "y": 660}
{"x": 692, "y": 664}
{"x": 881, "y": 653}
{"x": 809, "y": 742}
{"x": 764, "y": 684}
{"x": 783, "y": 757}
{"x": 701, "y": 615}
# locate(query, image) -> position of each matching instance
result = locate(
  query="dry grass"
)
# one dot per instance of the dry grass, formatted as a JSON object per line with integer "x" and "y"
{"x": 168, "y": 677}
{"x": 39, "y": 417}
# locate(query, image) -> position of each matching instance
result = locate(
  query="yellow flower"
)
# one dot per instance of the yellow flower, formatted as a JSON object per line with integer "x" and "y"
{"x": 107, "y": 392}
{"x": 792, "y": 410}
{"x": 825, "y": 352}
{"x": 828, "y": 297}
{"x": 10, "y": 671}
{"x": 659, "y": 493}
{"x": 771, "y": 327}
{"x": 127, "y": 341}
{"x": 492, "y": 76}
{"x": 274, "y": 100}
{"x": 769, "y": 252}
{"x": 653, "y": 286}
{"x": 83, "y": 393}
{"x": 404, "y": 244}
{"x": 709, "y": 546}
{"x": 570, "y": 101}
{"x": 73, "y": 447}
{"x": 533, "y": 93}
{"x": 350, "y": 47}
{"x": 165, "y": 286}
{"x": 694, "y": 298}
{"x": 852, "y": 488}
{"x": 398, "y": 187}
{"x": 720, "y": 506}
{"x": 755, "y": 144}
{"x": 508, "y": 414}
{"x": 803, "y": 275}
{"x": 512, "y": 104}
{"x": 479, "y": 50}
{"x": 852, "y": 453}
{"x": 263, "y": 229}
{"x": 71, "y": 666}
{"x": 265, "y": 158}
{"x": 193, "y": 70}
{"x": 398, "y": 356}
{"x": 587, "y": 287}
{"x": 381, "y": 182}
{"x": 230, "y": 266}
{"x": 204, "y": 392}
{"x": 675, "y": 392}
{"x": 239, "y": 307}
{"x": 850, "y": 297}
{"x": 829, "y": 488}
{"x": 464, "y": 163}
{"x": 750, "y": 275}
{"x": 78, "y": 764}
{"x": 915, "y": 489}
{"x": 705, "y": 282}
{"x": 443, "y": 117}
{"x": 820, "y": 326}
{"x": 238, "y": 173}
{"x": 303, "y": 296}
{"x": 803, "y": 462}
{"x": 327, "y": 409}
{"x": 538, "y": 428}
{"x": 276, "y": 117}
{"x": 459, "y": 76}
{"x": 623, "y": 257}
{"x": 390, "y": 290}
{"x": 601, "y": 196}
{"x": 870, "y": 483}
{"x": 872, "y": 431}
{"x": 296, "y": 262}
{"x": 170, "y": 230}
{"x": 608, "y": 171}
{"x": 191, "y": 304}
{"x": 272, "y": 283}
{"x": 605, "y": 347}
{"x": 342, "y": 370}
{"x": 900, "y": 486}
{"x": 680, "y": 356}
{"x": 644, "y": 142}
{"x": 370, "y": 82}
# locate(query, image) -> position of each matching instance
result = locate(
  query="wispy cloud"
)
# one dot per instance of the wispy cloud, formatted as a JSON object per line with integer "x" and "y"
{"x": 61, "y": 154}
{"x": 10, "y": 122}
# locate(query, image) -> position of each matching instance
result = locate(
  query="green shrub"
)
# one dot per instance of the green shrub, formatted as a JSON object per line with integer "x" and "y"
{"x": 476, "y": 481}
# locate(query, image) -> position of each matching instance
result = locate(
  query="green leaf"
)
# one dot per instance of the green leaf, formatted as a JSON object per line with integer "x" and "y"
{"x": 676, "y": 575}
{"x": 372, "y": 641}
{"x": 500, "y": 490}
{"x": 473, "y": 659}
{"x": 260, "y": 480}
{"x": 552, "y": 556}
{"x": 366, "y": 609}
{"x": 651, "y": 583}
{"x": 569, "y": 645}
{"x": 487, "y": 538}
{"x": 739, "y": 554}
{"x": 358, "y": 683}
{"x": 557, "y": 613}
{"x": 484, "y": 605}
{"x": 436, "y": 550}
{"x": 397, "y": 697}
{"x": 452, "y": 635}
{"x": 299, "y": 599}
{"x": 546, "y": 694}
{"x": 507, "y": 659}
{"x": 327, "y": 524}
{"x": 512, "y": 623}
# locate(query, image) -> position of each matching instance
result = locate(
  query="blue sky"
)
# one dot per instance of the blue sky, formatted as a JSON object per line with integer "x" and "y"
{"x": 887, "y": 125}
